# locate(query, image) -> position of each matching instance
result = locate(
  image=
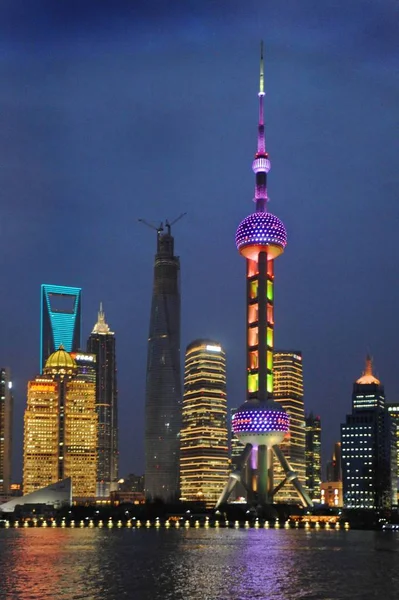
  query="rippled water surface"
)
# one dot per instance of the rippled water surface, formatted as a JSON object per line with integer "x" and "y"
{"x": 198, "y": 564}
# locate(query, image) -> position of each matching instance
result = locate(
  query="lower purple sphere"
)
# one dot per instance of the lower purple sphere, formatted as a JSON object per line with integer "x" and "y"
{"x": 261, "y": 423}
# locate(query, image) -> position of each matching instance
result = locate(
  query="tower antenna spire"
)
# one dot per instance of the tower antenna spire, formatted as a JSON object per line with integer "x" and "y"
{"x": 261, "y": 164}
{"x": 262, "y": 72}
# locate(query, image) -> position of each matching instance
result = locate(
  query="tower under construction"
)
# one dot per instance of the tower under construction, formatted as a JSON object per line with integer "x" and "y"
{"x": 163, "y": 383}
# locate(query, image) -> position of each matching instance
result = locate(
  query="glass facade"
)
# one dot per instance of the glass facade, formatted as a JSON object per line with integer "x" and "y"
{"x": 393, "y": 411}
{"x": 60, "y": 319}
{"x": 60, "y": 428}
{"x": 102, "y": 343}
{"x": 313, "y": 457}
{"x": 163, "y": 382}
{"x": 368, "y": 445}
{"x": 204, "y": 456}
{"x": 288, "y": 391}
{"x": 6, "y": 414}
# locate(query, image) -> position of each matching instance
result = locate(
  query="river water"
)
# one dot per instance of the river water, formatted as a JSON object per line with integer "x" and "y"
{"x": 198, "y": 564}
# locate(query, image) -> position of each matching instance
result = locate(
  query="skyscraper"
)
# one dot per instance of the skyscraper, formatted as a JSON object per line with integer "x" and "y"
{"x": 393, "y": 411}
{"x": 204, "y": 456}
{"x": 261, "y": 423}
{"x": 6, "y": 414}
{"x": 333, "y": 469}
{"x": 368, "y": 441}
{"x": 60, "y": 428}
{"x": 102, "y": 343}
{"x": 313, "y": 456}
{"x": 288, "y": 391}
{"x": 163, "y": 384}
{"x": 60, "y": 319}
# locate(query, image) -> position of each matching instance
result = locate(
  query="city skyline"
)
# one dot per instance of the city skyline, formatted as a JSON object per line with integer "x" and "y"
{"x": 326, "y": 117}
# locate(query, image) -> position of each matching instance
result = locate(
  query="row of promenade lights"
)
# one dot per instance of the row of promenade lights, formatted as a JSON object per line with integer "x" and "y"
{"x": 276, "y": 524}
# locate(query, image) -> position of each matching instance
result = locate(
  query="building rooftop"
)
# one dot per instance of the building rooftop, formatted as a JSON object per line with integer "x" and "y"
{"x": 368, "y": 378}
{"x": 60, "y": 359}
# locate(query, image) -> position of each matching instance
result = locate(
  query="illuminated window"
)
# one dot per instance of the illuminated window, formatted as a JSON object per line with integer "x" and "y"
{"x": 253, "y": 360}
{"x": 252, "y": 313}
{"x": 253, "y": 336}
{"x": 270, "y": 317}
{"x": 253, "y": 289}
{"x": 252, "y": 383}
{"x": 270, "y": 291}
{"x": 269, "y": 360}
{"x": 269, "y": 338}
{"x": 252, "y": 268}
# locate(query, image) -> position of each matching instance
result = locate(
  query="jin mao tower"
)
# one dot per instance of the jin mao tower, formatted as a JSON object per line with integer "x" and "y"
{"x": 102, "y": 343}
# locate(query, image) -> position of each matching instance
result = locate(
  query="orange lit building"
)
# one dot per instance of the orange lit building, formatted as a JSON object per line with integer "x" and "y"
{"x": 60, "y": 428}
{"x": 331, "y": 493}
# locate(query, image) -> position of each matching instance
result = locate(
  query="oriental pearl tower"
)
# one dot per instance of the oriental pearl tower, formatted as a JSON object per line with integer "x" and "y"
{"x": 261, "y": 423}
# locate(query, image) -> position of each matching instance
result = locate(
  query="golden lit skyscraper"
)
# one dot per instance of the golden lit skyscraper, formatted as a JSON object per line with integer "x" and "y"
{"x": 60, "y": 428}
{"x": 288, "y": 391}
{"x": 204, "y": 456}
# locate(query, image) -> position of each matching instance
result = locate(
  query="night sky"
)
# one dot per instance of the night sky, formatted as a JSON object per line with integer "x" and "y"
{"x": 109, "y": 113}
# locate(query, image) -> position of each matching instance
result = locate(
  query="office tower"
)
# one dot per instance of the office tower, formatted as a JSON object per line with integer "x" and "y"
{"x": 393, "y": 411}
{"x": 313, "y": 456}
{"x": 331, "y": 494}
{"x": 163, "y": 385}
{"x": 60, "y": 428}
{"x": 288, "y": 391}
{"x": 60, "y": 320}
{"x": 333, "y": 470}
{"x": 204, "y": 455}
{"x": 102, "y": 343}
{"x": 236, "y": 448}
{"x": 261, "y": 423}
{"x": 6, "y": 413}
{"x": 369, "y": 455}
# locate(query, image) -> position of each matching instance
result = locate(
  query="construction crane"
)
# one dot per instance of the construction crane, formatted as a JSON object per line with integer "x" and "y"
{"x": 169, "y": 225}
{"x": 160, "y": 228}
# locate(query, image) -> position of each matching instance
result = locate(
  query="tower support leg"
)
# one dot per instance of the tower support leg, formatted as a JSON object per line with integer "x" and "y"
{"x": 265, "y": 475}
{"x": 263, "y": 472}
{"x": 235, "y": 476}
{"x": 292, "y": 477}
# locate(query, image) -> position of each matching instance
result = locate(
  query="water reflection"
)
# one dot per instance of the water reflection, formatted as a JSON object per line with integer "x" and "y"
{"x": 197, "y": 564}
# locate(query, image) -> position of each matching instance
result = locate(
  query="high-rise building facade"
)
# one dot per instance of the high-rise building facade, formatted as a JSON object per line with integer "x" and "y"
{"x": 393, "y": 411}
{"x": 204, "y": 456}
{"x": 288, "y": 391}
{"x": 163, "y": 382}
{"x": 261, "y": 423}
{"x": 102, "y": 343}
{"x": 368, "y": 442}
{"x": 6, "y": 414}
{"x": 313, "y": 456}
{"x": 331, "y": 494}
{"x": 60, "y": 320}
{"x": 60, "y": 428}
{"x": 333, "y": 468}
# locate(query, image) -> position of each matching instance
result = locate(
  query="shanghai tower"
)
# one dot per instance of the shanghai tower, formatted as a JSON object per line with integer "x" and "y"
{"x": 163, "y": 383}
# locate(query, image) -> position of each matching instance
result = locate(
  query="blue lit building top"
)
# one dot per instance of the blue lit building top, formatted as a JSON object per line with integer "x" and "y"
{"x": 60, "y": 319}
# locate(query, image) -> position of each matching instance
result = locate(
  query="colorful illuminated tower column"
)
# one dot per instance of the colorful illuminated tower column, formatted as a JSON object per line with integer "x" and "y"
{"x": 260, "y": 423}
